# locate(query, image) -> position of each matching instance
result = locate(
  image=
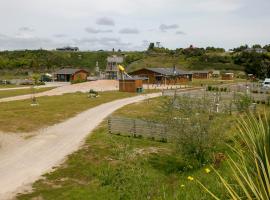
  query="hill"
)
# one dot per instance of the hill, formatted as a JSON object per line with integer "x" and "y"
{"x": 220, "y": 61}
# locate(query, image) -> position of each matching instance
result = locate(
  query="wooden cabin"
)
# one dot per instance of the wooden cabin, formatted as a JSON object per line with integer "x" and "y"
{"x": 69, "y": 74}
{"x": 163, "y": 76}
{"x": 227, "y": 76}
{"x": 201, "y": 74}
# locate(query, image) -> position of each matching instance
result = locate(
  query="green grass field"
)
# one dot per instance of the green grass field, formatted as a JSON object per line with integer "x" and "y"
{"x": 12, "y": 93}
{"x": 117, "y": 167}
{"x": 11, "y": 86}
{"x": 19, "y": 116}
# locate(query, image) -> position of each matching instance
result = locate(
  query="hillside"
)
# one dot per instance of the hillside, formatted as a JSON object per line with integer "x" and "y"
{"x": 208, "y": 61}
{"x": 42, "y": 60}
{"x": 18, "y": 63}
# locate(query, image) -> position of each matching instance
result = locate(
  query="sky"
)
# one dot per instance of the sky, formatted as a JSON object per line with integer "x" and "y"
{"x": 132, "y": 24}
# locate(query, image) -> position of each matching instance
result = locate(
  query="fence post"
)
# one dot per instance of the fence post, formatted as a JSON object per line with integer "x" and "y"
{"x": 134, "y": 127}
{"x": 109, "y": 125}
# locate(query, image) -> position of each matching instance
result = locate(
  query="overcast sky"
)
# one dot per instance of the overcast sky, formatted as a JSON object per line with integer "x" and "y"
{"x": 132, "y": 24}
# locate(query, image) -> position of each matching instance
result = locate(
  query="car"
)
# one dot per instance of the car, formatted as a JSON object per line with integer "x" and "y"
{"x": 266, "y": 83}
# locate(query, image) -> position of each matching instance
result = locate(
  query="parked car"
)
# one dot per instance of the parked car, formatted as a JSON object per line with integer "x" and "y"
{"x": 266, "y": 83}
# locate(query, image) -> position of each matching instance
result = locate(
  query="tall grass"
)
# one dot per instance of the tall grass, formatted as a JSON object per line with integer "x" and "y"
{"x": 250, "y": 166}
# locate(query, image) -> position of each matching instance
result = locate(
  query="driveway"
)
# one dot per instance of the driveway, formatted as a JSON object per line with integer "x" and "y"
{"x": 100, "y": 85}
{"x": 24, "y": 163}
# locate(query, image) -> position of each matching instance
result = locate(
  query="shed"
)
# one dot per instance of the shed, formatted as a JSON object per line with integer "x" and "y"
{"x": 69, "y": 74}
{"x": 227, "y": 76}
{"x": 163, "y": 75}
{"x": 201, "y": 74}
{"x": 131, "y": 84}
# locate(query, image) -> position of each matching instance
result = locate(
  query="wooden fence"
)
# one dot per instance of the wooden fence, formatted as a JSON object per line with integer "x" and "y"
{"x": 138, "y": 128}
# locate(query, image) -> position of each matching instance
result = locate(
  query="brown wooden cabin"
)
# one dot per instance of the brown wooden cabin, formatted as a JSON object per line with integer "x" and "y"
{"x": 201, "y": 74}
{"x": 227, "y": 76}
{"x": 69, "y": 74}
{"x": 131, "y": 85}
{"x": 163, "y": 76}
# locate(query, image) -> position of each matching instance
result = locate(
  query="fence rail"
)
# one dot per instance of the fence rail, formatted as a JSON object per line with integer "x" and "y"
{"x": 138, "y": 128}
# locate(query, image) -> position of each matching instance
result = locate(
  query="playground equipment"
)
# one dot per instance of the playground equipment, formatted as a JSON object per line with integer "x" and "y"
{"x": 128, "y": 83}
{"x": 123, "y": 72}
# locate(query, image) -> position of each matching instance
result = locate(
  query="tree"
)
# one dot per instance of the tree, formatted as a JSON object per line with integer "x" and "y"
{"x": 256, "y": 46}
{"x": 151, "y": 46}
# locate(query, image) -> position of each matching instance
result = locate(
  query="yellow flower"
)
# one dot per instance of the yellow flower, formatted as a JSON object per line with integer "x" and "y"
{"x": 207, "y": 170}
{"x": 182, "y": 185}
{"x": 190, "y": 178}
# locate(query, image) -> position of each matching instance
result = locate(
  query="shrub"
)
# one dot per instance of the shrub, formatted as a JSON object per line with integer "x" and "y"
{"x": 250, "y": 165}
{"x": 242, "y": 102}
{"x": 195, "y": 136}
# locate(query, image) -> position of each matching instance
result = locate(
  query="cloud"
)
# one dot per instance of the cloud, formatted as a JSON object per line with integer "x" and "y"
{"x": 180, "y": 33}
{"x": 105, "y": 21}
{"x": 129, "y": 31}
{"x": 103, "y": 42}
{"x": 164, "y": 27}
{"x": 60, "y": 35}
{"x": 11, "y": 43}
{"x": 95, "y": 31}
{"x": 26, "y": 29}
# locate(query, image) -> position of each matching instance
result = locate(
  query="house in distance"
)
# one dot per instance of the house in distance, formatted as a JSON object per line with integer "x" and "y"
{"x": 166, "y": 76}
{"x": 69, "y": 74}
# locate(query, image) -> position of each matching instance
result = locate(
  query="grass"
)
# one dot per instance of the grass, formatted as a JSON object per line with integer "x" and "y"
{"x": 115, "y": 167}
{"x": 19, "y": 116}
{"x": 12, "y": 93}
{"x": 212, "y": 81}
{"x": 181, "y": 62}
{"x": 11, "y": 86}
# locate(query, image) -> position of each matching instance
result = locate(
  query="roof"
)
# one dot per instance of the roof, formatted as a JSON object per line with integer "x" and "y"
{"x": 68, "y": 71}
{"x": 116, "y": 59}
{"x": 168, "y": 71}
{"x": 200, "y": 72}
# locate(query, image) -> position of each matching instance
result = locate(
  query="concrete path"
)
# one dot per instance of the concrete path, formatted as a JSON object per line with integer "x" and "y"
{"x": 49, "y": 84}
{"x": 100, "y": 85}
{"x": 23, "y": 164}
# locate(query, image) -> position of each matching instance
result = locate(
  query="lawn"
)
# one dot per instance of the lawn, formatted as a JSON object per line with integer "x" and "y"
{"x": 117, "y": 167}
{"x": 19, "y": 116}
{"x": 12, "y": 93}
{"x": 11, "y": 86}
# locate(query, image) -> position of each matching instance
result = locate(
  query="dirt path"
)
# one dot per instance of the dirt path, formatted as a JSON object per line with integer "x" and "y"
{"x": 23, "y": 164}
{"x": 100, "y": 85}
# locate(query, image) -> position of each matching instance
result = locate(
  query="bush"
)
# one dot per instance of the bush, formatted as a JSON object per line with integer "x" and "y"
{"x": 250, "y": 169}
{"x": 188, "y": 120}
{"x": 242, "y": 102}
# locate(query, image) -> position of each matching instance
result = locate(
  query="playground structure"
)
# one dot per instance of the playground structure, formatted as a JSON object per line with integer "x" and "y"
{"x": 128, "y": 83}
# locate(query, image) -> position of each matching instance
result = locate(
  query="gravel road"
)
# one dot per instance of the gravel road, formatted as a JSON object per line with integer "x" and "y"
{"x": 100, "y": 85}
{"x": 23, "y": 164}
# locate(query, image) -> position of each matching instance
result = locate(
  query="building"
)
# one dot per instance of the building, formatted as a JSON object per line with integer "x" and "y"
{"x": 163, "y": 76}
{"x": 112, "y": 71}
{"x": 227, "y": 76}
{"x": 131, "y": 85}
{"x": 257, "y": 50}
{"x": 69, "y": 74}
{"x": 68, "y": 49}
{"x": 216, "y": 73}
{"x": 201, "y": 74}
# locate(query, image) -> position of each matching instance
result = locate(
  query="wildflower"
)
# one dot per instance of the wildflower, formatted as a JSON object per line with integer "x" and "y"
{"x": 207, "y": 170}
{"x": 182, "y": 185}
{"x": 190, "y": 178}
